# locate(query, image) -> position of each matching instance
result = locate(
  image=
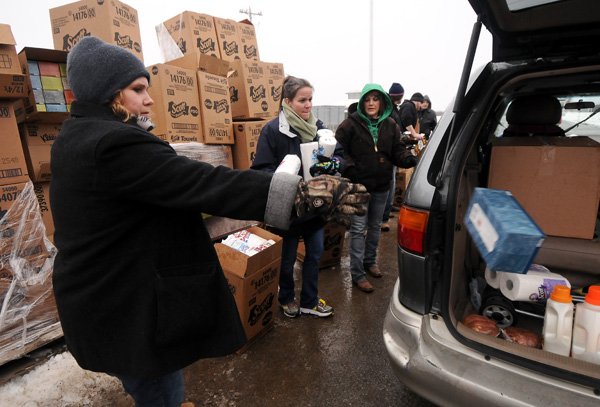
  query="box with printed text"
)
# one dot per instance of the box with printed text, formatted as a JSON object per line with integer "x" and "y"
{"x": 111, "y": 20}
{"x": 176, "y": 114}
{"x": 254, "y": 281}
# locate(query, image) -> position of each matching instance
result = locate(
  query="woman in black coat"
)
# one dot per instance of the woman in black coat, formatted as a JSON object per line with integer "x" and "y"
{"x": 279, "y": 138}
{"x": 138, "y": 285}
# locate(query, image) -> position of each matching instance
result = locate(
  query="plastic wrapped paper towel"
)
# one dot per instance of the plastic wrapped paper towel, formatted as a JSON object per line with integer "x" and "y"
{"x": 327, "y": 142}
{"x": 309, "y": 153}
{"x": 290, "y": 164}
{"x": 534, "y": 286}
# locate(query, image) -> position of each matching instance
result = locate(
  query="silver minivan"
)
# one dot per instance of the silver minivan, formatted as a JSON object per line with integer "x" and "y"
{"x": 542, "y": 86}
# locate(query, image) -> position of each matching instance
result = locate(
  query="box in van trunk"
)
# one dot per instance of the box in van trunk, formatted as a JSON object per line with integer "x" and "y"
{"x": 556, "y": 180}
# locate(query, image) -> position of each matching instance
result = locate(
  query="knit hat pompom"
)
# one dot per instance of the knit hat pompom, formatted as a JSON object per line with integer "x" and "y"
{"x": 396, "y": 89}
{"x": 96, "y": 70}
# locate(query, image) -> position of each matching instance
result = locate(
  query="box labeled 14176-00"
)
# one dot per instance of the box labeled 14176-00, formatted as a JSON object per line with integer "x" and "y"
{"x": 112, "y": 21}
{"x": 246, "y": 139}
{"x": 254, "y": 281}
{"x": 176, "y": 114}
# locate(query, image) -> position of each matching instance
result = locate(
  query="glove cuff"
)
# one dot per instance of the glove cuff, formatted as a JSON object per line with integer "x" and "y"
{"x": 280, "y": 202}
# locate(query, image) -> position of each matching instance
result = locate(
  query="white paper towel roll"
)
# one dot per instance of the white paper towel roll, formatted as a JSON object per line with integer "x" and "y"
{"x": 492, "y": 277}
{"x": 327, "y": 142}
{"x": 534, "y": 286}
{"x": 309, "y": 153}
{"x": 290, "y": 164}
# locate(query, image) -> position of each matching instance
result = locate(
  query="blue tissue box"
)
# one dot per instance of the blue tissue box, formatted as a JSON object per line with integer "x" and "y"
{"x": 506, "y": 236}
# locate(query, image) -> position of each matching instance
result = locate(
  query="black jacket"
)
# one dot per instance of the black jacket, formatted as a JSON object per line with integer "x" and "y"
{"x": 365, "y": 164}
{"x": 277, "y": 140}
{"x": 137, "y": 281}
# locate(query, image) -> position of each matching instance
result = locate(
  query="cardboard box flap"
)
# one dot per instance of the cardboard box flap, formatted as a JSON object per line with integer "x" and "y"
{"x": 187, "y": 61}
{"x": 44, "y": 54}
{"x": 6, "y": 35}
{"x": 213, "y": 65}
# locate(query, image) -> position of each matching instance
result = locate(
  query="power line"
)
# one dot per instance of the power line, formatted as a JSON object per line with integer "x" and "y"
{"x": 250, "y": 13}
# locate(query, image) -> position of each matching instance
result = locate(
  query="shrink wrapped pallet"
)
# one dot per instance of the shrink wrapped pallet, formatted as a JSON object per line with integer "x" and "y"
{"x": 28, "y": 315}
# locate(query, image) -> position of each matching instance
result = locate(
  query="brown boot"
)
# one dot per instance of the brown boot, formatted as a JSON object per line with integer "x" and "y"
{"x": 364, "y": 286}
{"x": 187, "y": 404}
{"x": 373, "y": 270}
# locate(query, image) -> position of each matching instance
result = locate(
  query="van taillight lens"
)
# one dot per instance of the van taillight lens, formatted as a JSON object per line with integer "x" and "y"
{"x": 412, "y": 224}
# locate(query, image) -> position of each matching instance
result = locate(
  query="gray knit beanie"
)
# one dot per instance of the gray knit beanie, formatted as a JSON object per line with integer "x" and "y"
{"x": 96, "y": 70}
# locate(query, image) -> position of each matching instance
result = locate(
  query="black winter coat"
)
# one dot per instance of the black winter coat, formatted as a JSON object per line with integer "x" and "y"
{"x": 137, "y": 281}
{"x": 366, "y": 163}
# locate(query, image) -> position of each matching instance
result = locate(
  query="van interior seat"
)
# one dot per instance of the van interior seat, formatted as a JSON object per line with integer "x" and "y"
{"x": 533, "y": 115}
{"x": 561, "y": 254}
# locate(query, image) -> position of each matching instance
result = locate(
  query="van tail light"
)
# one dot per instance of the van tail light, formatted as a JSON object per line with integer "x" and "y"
{"x": 412, "y": 224}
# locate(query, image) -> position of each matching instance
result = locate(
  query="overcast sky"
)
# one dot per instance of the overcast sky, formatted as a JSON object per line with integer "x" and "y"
{"x": 420, "y": 43}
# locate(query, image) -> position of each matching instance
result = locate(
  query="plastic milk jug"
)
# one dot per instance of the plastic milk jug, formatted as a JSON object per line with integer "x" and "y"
{"x": 558, "y": 321}
{"x": 586, "y": 330}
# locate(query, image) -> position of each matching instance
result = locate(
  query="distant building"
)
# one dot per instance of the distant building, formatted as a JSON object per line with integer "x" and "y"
{"x": 331, "y": 116}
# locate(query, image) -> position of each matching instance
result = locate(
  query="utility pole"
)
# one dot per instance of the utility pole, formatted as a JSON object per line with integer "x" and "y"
{"x": 250, "y": 13}
{"x": 371, "y": 41}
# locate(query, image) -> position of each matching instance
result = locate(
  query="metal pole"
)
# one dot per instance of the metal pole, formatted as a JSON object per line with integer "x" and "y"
{"x": 371, "y": 41}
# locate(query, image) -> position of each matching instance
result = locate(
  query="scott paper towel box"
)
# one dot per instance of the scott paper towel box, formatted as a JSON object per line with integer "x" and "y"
{"x": 505, "y": 235}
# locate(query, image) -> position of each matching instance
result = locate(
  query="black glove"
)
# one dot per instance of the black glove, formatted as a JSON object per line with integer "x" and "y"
{"x": 410, "y": 161}
{"x": 332, "y": 198}
{"x": 325, "y": 166}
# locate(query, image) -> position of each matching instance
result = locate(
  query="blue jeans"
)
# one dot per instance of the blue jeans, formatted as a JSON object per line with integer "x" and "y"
{"x": 163, "y": 391}
{"x": 313, "y": 245}
{"x": 364, "y": 236}
{"x": 390, "y": 201}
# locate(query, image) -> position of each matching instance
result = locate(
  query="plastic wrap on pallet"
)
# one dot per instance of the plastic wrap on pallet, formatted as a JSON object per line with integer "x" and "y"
{"x": 214, "y": 154}
{"x": 28, "y": 310}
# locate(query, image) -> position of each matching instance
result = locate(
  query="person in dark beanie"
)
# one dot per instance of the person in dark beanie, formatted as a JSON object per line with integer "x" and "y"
{"x": 372, "y": 146}
{"x": 409, "y": 118}
{"x": 396, "y": 93}
{"x": 427, "y": 118}
{"x": 138, "y": 286}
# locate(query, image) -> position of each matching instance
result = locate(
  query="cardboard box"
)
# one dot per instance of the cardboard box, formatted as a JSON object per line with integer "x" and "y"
{"x": 254, "y": 281}
{"x": 176, "y": 114}
{"x": 248, "y": 42}
{"x": 37, "y": 108}
{"x": 12, "y": 80}
{"x": 274, "y": 75}
{"x": 504, "y": 234}
{"x": 112, "y": 21}
{"x": 556, "y": 180}
{"x": 42, "y": 193}
{"x": 248, "y": 90}
{"x": 215, "y": 109}
{"x": 335, "y": 235}
{"x": 13, "y": 166}
{"x": 246, "y": 139}
{"x": 189, "y": 32}
{"x": 228, "y": 39}
{"x": 37, "y": 139}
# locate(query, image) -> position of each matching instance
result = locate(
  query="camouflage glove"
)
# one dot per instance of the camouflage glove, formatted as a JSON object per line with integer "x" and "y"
{"x": 333, "y": 198}
{"x": 326, "y": 165}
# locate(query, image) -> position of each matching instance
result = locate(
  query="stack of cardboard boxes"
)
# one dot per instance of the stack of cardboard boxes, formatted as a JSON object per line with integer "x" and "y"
{"x": 212, "y": 97}
{"x": 28, "y": 316}
{"x": 238, "y": 93}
